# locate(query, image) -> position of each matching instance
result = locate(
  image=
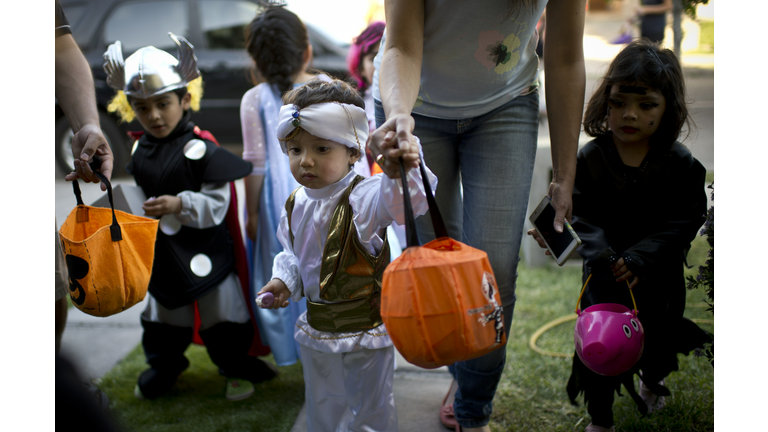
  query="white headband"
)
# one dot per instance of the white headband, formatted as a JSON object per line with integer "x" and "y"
{"x": 327, "y": 120}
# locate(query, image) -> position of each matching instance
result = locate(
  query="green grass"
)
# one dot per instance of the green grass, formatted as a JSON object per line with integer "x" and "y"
{"x": 707, "y": 36}
{"x": 197, "y": 403}
{"x": 531, "y": 395}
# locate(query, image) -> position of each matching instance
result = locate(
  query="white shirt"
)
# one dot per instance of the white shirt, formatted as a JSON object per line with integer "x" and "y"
{"x": 376, "y": 202}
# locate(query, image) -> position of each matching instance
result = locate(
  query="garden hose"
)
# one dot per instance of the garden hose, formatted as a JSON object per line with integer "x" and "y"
{"x": 572, "y": 317}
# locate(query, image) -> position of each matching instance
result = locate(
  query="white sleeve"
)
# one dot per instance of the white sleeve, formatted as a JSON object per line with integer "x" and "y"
{"x": 286, "y": 265}
{"x": 254, "y": 143}
{"x": 378, "y": 201}
{"x": 204, "y": 209}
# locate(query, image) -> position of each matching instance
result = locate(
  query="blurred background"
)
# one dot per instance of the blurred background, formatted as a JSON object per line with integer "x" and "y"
{"x": 216, "y": 29}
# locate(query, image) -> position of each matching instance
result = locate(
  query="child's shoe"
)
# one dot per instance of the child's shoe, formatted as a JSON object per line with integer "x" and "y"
{"x": 595, "y": 428}
{"x": 137, "y": 393}
{"x": 153, "y": 383}
{"x": 652, "y": 400}
{"x": 238, "y": 389}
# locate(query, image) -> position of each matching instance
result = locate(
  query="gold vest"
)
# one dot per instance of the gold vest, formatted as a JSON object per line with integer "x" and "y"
{"x": 350, "y": 277}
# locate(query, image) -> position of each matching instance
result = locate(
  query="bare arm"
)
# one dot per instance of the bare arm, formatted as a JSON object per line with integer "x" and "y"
{"x": 76, "y": 95}
{"x": 565, "y": 97}
{"x": 254, "y": 151}
{"x": 400, "y": 74}
{"x": 253, "y": 185}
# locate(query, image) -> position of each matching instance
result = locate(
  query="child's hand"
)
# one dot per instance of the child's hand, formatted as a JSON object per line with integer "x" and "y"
{"x": 162, "y": 205}
{"x": 535, "y": 234}
{"x": 622, "y": 273}
{"x": 279, "y": 290}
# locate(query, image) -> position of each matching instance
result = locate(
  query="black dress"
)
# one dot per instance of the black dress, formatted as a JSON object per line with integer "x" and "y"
{"x": 648, "y": 215}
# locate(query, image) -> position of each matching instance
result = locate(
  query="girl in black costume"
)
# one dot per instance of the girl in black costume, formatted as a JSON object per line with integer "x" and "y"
{"x": 638, "y": 202}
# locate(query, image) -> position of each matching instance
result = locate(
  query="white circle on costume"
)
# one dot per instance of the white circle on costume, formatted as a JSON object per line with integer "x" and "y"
{"x": 135, "y": 144}
{"x": 170, "y": 225}
{"x": 201, "y": 265}
{"x": 195, "y": 149}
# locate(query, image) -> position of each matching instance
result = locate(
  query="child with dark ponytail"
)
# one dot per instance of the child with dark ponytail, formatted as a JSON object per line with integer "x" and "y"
{"x": 278, "y": 43}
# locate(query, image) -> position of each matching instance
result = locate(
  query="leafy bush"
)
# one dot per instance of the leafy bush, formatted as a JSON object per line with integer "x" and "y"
{"x": 706, "y": 277}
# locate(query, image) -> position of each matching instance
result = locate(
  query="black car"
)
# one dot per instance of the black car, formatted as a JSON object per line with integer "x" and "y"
{"x": 214, "y": 27}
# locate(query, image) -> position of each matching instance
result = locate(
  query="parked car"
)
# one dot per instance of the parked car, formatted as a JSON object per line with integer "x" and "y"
{"x": 214, "y": 27}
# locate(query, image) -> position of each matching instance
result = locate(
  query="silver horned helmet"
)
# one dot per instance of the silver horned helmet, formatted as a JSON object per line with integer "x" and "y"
{"x": 150, "y": 71}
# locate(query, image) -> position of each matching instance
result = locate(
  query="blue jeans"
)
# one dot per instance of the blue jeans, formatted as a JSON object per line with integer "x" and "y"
{"x": 484, "y": 167}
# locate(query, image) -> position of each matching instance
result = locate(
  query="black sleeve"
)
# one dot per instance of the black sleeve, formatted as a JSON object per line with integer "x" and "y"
{"x": 679, "y": 228}
{"x": 587, "y": 221}
{"x": 62, "y": 23}
{"x": 221, "y": 165}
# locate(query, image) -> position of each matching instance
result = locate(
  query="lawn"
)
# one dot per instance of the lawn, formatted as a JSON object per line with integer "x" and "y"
{"x": 707, "y": 38}
{"x": 197, "y": 403}
{"x": 530, "y": 397}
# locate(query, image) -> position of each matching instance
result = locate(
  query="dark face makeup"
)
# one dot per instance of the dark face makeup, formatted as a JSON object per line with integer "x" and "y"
{"x": 634, "y": 113}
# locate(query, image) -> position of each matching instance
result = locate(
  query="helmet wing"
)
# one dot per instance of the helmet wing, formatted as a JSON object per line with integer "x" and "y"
{"x": 186, "y": 56}
{"x": 114, "y": 66}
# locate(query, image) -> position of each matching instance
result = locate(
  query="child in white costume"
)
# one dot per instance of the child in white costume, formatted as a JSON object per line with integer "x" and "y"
{"x": 333, "y": 231}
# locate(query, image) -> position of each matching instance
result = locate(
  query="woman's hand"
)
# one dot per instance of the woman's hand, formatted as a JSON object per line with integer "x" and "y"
{"x": 279, "y": 290}
{"x": 623, "y": 273}
{"x": 392, "y": 141}
{"x": 561, "y": 195}
{"x": 162, "y": 205}
{"x": 89, "y": 141}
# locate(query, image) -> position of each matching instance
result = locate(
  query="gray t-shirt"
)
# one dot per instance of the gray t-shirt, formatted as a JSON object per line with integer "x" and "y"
{"x": 478, "y": 55}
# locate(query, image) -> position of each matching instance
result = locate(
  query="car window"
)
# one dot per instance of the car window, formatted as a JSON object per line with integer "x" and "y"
{"x": 74, "y": 13}
{"x": 223, "y": 22}
{"x": 138, "y": 24}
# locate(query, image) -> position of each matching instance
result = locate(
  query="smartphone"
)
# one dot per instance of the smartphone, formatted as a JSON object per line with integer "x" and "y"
{"x": 560, "y": 245}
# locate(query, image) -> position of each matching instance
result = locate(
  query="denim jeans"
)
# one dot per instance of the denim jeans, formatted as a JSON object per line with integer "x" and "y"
{"x": 484, "y": 167}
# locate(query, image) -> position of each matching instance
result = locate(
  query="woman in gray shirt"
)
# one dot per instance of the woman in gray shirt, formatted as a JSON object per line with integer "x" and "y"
{"x": 463, "y": 77}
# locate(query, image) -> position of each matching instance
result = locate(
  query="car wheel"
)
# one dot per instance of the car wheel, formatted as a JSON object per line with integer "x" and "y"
{"x": 117, "y": 142}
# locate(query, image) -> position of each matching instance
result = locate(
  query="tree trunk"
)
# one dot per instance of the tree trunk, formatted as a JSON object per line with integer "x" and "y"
{"x": 677, "y": 26}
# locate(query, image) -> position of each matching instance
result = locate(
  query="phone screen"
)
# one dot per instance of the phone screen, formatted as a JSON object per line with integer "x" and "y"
{"x": 558, "y": 242}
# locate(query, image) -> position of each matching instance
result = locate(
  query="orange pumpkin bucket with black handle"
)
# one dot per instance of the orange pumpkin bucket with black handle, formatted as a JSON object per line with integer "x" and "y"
{"x": 440, "y": 301}
{"x": 109, "y": 255}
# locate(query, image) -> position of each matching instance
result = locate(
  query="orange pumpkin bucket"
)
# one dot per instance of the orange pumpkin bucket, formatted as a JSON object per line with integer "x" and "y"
{"x": 440, "y": 301}
{"x": 109, "y": 256}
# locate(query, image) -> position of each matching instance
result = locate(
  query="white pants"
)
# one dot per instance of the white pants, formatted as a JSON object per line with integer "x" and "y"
{"x": 349, "y": 391}
{"x": 224, "y": 303}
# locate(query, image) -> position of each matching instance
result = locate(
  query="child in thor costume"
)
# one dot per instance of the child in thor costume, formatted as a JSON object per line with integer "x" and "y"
{"x": 335, "y": 253}
{"x": 199, "y": 269}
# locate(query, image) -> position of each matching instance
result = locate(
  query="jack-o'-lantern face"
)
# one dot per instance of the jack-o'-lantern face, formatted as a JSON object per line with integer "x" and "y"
{"x": 78, "y": 269}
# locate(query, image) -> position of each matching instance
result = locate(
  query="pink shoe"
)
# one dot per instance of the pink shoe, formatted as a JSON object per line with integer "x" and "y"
{"x": 596, "y": 428}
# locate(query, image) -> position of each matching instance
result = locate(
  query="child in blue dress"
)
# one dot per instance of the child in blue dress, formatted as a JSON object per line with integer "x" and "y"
{"x": 277, "y": 42}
